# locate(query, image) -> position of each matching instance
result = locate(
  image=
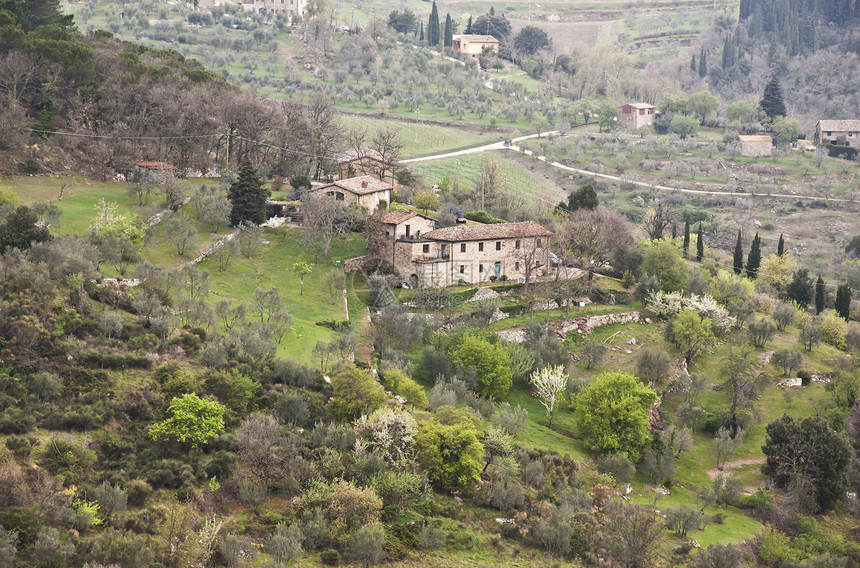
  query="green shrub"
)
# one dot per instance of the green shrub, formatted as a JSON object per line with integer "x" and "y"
{"x": 330, "y": 557}
{"x": 482, "y": 217}
{"x": 805, "y": 377}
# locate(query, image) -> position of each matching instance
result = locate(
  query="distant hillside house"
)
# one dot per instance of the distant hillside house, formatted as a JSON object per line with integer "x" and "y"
{"x": 756, "y": 146}
{"x": 472, "y": 254}
{"x": 365, "y": 161}
{"x": 367, "y": 191}
{"x": 289, "y": 8}
{"x": 634, "y": 116}
{"x": 474, "y": 45}
{"x": 838, "y": 132}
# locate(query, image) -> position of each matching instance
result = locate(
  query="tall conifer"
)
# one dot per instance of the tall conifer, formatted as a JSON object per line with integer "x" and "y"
{"x": 247, "y": 196}
{"x": 738, "y": 259}
{"x": 449, "y": 31}
{"x": 843, "y": 301}
{"x": 754, "y": 257}
{"x": 703, "y": 63}
{"x": 433, "y": 26}
{"x": 819, "y": 295}
{"x": 687, "y": 237}
{"x": 780, "y": 247}
{"x": 700, "y": 244}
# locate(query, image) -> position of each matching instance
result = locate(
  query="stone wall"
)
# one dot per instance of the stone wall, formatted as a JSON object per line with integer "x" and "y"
{"x": 585, "y": 324}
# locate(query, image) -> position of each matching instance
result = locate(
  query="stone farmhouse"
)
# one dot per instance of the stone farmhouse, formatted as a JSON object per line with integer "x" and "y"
{"x": 367, "y": 191}
{"x": 838, "y": 132}
{"x": 289, "y": 8}
{"x": 465, "y": 254}
{"x": 633, "y": 116}
{"x": 365, "y": 161}
{"x": 755, "y": 146}
{"x": 474, "y": 45}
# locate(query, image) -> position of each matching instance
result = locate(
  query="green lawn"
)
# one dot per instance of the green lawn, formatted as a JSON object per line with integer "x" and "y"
{"x": 270, "y": 266}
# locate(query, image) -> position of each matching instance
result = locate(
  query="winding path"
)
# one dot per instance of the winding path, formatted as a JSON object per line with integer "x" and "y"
{"x": 511, "y": 146}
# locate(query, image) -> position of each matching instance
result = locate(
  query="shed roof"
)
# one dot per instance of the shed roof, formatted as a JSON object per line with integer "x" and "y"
{"x": 397, "y": 217}
{"x": 361, "y": 185}
{"x": 476, "y": 38}
{"x": 353, "y": 154}
{"x": 755, "y": 138}
{"x": 488, "y": 232}
{"x": 839, "y": 125}
{"x": 639, "y": 105}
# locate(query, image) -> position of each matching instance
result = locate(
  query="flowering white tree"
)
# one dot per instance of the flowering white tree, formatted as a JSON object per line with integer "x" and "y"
{"x": 549, "y": 383}
{"x": 389, "y": 431}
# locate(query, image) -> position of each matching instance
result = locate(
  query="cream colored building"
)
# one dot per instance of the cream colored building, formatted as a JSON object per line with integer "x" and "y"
{"x": 474, "y": 45}
{"x": 838, "y": 132}
{"x": 471, "y": 254}
{"x": 366, "y": 191}
{"x": 634, "y": 116}
{"x": 756, "y": 145}
{"x": 289, "y": 8}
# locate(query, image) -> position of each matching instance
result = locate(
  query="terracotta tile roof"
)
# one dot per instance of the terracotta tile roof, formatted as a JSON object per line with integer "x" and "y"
{"x": 361, "y": 185}
{"x": 839, "y": 125}
{"x": 397, "y": 217}
{"x": 755, "y": 138}
{"x": 476, "y": 38}
{"x": 155, "y": 166}
{"x": 354, "y": 154}
{"x": 488, "y": 232}
{"x": 639, "y": 105}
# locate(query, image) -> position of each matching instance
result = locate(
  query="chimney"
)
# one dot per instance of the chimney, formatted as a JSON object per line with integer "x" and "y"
{"x": 364, "y": 184}
{"x": 461, "y": 220}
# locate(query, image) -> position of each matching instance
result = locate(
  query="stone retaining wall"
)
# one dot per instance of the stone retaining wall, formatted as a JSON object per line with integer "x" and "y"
{"x": 585, "y": 324}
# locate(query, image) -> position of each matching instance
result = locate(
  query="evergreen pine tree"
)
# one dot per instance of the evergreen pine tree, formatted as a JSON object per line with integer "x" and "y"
{"x": 693, "y": 67}
{"x": 247, "y": 196}
{"x": 727, "y": 47}
{"x": 492, "y": 10}
{"x": 754, "y": 257}
{"x": 843, "y": 301}
{"x": 703, "y": 63}
{"x": 422, "y": 32}
{"x": 433, "y": 26}
{"x": 674, "y": 231}
{"x": 469, "y": 26}
{"x": 738, "y": 260}
{"x": 780, "y": 247}
{"x": 449, "y": 31}
{"x": 819, "y": 295}
{"x": 687, "y": 237}
{"x": 772, "y": 103}
{"x": 700, "y": 244}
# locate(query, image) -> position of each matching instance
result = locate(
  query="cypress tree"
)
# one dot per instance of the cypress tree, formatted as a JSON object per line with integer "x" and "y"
{"x": 469, "y": 26}
{"x": 780, "y": 247}
{"x": 693, "y": 67}
{"x": 772, "y": 103}
{"x": 674, "y": 232}
{"x": 700, "y": 245}
{"x": 687, "y": 237}
{"x": 843, "y": 301}
{"x": 819, "y": 295}
{"x": 754, "y": 257}
{"x": 703, "y": 63}
{"x": 433, "y": 26}
{"x": 449, "y": 31}
{"x": 422, "y": 32}
{"x": 247, "y": 196}
{"x": 738, "y": 260}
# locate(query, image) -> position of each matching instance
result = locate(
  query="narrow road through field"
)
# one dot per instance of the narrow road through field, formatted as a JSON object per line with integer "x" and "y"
{"x": 502, "y": 146}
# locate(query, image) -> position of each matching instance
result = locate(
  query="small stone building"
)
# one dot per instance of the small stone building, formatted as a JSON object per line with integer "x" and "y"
{"x": 756, "y": 146}
{"x": 474, "y": 45}
{"x": 365, "y": 161}
{"x": 289, "y": 8}
{"x": 403, "y": 226}
{"x": 366, "y": 191}
{"x": 633, "y": 116}
{"x": 838, "y": 132}
{"x": 471, "y": 254}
